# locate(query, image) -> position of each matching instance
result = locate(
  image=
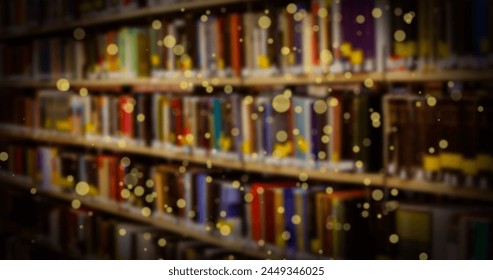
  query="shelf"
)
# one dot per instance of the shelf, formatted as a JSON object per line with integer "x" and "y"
{"x": 237, "y": 244}
{"x": 440, "y": 189}
{"x": 180, "y": 83}
{"x": 446, "y": 75}
{"x": 366, "y": 179}
{"x": 122, "y": 147}
{"x": 144, "y": 12}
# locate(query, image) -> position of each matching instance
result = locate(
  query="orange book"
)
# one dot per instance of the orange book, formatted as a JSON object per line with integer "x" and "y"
{"x": 235, "y": 35}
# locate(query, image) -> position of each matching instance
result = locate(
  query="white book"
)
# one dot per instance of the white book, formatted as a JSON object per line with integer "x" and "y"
{"x": 382, "y": 36}
{"x": 306, "y": 45}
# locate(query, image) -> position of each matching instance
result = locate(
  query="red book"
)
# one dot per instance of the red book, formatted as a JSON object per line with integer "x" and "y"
{"x": 126, "y": 113}
{"x": 315, "y": 37}
{"x": 235, "y": 20}
{"x": 258, "y": 214}
{"x": 220, "y": 43}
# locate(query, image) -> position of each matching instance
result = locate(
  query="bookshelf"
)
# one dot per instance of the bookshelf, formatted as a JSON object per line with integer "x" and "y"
{"x": 437, "y": 66}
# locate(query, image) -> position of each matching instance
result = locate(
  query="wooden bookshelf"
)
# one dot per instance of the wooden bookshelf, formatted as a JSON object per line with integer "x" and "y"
{"x": 123, "y": 147}
{"x": 181, "y": 83}
{"x": 366, "y": 179}
{"x": 440, "y": 189}
{"x": 237, "y": 244}
{"x": 138, "y": 13}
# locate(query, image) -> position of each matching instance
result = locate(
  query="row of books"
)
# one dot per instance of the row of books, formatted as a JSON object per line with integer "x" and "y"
{"x": 317, "y": 37}
{"x": 60, "y": 231}
{"x": 444, "y": 139}
{"x": 286, "y": 127}
{"x": 24, "y": 14}
{"x": 336, "y": 221}
{"x": 280, "y": 215}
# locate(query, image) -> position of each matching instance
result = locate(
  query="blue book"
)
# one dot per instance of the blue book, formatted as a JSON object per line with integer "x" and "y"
{"x": 289, "y": 212}
{"x": 201, "y": 198}
{"x": 268, "y": 128}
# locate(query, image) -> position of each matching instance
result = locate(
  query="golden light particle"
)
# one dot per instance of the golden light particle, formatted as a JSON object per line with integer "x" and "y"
{"x": 112, "y": 49}
{"x": 122, "y": 232}
{"x": 169, "y": 41}
{"x": 366, "y": 205}
{"x": 228, "y": 89}
{"x": 264, "y": 22}
{"x": 128, "y": 108}
{"x": 82, "y": 188}
{"x": 63, "y": 85}
{"x": 291, "y": 8}
{"x": 367, "y": 181}
{"x": 83, "y": 92}
{"x": 376, "y": 12}
{"x": 4, "y": 156}
{"x": 418, "y": 104}
{"x": 298, "y": 16}
{"x": 208, "y": 179}
{"x": 287, "y": 93}
{"x": 149, "y": 183}
{"x": 356, "y": 149}
{"x": 156, "y": 24}
{"x": 377, "y": 195}
{"x": 346, "y": 227}
{"x": 33, "y": 191}
{"x": 375, "y": 116}
{"x": 393, "y": 238}
{"x": 248, "y": 198}
{"x": 181, "y": 203}
{"x": 443, "y": 144}
{"x": 225, "y": 230}
{"x": 333, "y": 102}
{"x": 298, "y": 109}
{"x": 400, "y": 35}
{"x": 376, "y": 124}
{"x": 358, "y": 164}
{"x": 348, "y": 75}
{"x": 281, "y": 103}
{"x": 286, "y": 235}
{"x": 296, "y": 219}
{"x": 235, "y": 131}
{"x": 76, "y": 204}
{"x": 303, "y": 176}
{"x": 431, "y": 101}
{"x": 125, "y": 162}
{"x": 360, "y": 19}
{"x": 365, "y": 214}
{"x": 326, "y": 57}
{"x": 149, "y": 198}
{"x": 236, "y": 184}
{"x": 204, "y": 18}
{"x": 223, "y": 214}
{"x": 70, "y": 178}
{"x": 480, "y": 109}
{"x": 394, "y": 192}
{"x": 367, "y": 142}
{"x": 184, "y": 85}
{"x": 322, "y": 13}
{"x": 79, "y": 34}
{"x": 285, "y": 50}
{"x": 261, "y": 242}
{"x": 141, "y": 117}
{"x": 325, "y": 139}
{"x": 182, "y": 169}
{"x": 328, "y": 129}
{"x": 320, "y": 107}
{"x": 146, "y": 212}
{"x": 281, "y": 136}
{"x": 178, "y": 50}
{"x": 322, "y": 155}
{"x": 161, "y": 242}
{"x": 408, "y": 18}
{"x": 423, "y": 256}
{"x": 147, "y": 236}
{"x": 368, "y": 83}
{"x": 207, "y": 135}
{"x": 260, "y": 191}
{"x": 280, "y": 210}
{"x": 125, "y": 193}
{"x": 209, "y": 89}
{"x": 296, "y": 132}
{"x": 139, "y": 191}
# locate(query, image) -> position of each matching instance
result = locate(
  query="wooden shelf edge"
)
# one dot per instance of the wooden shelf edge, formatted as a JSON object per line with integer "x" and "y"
{"x": 186, "y": 84}
{"x": 143, "y": 12}
{"x": 440, "y": 189}
{"x": 245, "y": 166}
